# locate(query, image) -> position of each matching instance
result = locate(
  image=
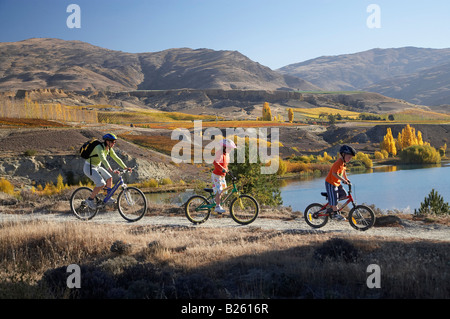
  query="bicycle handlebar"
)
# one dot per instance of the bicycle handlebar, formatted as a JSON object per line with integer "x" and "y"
{"x": 234, "y": 178}
{"x": 124, "y": 170}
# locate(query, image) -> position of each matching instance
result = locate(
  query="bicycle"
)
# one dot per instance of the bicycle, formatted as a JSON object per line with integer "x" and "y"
{"x": 243, "y": 208}
{"x": 131, "y": 202}
{"x": 360, "y": 217}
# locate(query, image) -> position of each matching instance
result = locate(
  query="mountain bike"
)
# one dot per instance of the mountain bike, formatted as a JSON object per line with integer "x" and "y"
{"x": 360, "y": 217}
{"x": 131, "y": 201}
{"x": 243, "y": 208}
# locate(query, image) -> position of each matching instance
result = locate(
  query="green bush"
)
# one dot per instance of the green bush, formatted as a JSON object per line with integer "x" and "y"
{"x": 30, "y": 152}
{"x": 420, "y": 154}
{"x": 433, "y": 204}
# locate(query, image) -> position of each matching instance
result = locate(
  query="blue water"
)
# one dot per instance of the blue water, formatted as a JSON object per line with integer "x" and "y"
{"x": 403, "y": 189}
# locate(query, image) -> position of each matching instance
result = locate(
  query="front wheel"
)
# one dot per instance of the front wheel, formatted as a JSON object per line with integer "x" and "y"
{"x": 132, "y": 204}
{"x": 197, "y": 209}
{"x": 361, "y": 217}
{"x": 315, "y": 215}
{"x": 78, "y": 204}
{"x": 244, "y": 209}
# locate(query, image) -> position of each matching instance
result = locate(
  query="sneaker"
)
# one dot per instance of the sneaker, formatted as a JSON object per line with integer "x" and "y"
{"x": 91, "y": 203}
{"x": 111, "y": 201}
{"x": 219, "y": 210}
{"x": 338, "y": 216}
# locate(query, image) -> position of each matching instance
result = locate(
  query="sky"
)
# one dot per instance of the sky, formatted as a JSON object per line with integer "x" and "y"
{"x": 274, "y": 33}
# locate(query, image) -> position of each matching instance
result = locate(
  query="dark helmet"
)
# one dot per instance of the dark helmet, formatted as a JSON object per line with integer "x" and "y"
{"x": 346, "y": 149}
{"x": 109, "y": 137}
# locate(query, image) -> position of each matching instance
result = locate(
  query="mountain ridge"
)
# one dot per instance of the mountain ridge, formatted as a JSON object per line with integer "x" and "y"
{"x": 75, "y": 65}
{"x": 363, "y": 70}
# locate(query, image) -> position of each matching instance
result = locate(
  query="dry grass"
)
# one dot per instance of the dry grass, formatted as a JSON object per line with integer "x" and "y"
{"x": 219, "y": 124}
{"x": 4, "y": 121}
{"x": 190, "y": 262}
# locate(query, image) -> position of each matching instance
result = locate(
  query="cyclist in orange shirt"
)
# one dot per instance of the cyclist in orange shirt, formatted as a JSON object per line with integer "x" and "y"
{"x": 337, "y": 175}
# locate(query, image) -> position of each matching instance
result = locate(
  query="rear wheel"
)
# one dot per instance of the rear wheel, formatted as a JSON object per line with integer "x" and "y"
{"x": 78, "y": 204}
{"x": 197, "y": 210}
{"x": 361, "y": 217}
{"x": 312, "y": 217}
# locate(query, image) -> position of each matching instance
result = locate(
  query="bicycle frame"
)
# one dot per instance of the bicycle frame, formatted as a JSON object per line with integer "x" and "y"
{"x": 349, "y": 199}
{"x": 110, "y": 191}
{"x": 211, "y": 198}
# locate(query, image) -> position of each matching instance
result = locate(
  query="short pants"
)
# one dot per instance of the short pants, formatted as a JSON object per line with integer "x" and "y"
{"x": 99, "y": 174}
{"x": 218, "y": 183}
{"x": 334, "y": 192}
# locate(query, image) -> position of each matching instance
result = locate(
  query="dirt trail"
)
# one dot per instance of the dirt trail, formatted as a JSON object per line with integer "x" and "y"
{"x": 407, "y": 229}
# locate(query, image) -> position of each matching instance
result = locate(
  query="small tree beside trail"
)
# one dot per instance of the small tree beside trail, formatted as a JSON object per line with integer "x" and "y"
{"x": 433, "y": 204}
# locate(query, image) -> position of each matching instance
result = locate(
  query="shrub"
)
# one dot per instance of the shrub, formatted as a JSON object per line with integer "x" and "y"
{"x": 150, "y": 183}
{"x": 6, "y": 186}
{"x": 30, "y": 152}
{"x": 335, "y": 249}
{"x": 378, "y": 155}
{"x": 166, "y": 181}
{"x": 282, "y": 167}
{"x": 420, "y": 154}
{"x": 364, "y": 158}
{"x": 433, "y": 204}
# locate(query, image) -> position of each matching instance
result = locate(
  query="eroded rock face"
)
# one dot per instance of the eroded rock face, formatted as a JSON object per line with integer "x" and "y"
{"x": 44, "y": 169}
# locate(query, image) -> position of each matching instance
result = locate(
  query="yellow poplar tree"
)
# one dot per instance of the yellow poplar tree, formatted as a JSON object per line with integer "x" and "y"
{"x": 266, "y": 113}
{"x": 408, "y": 136}
{"x": 291, "y": 115}
{"x": 388, "y": 143}
{"x": 419, "y": 138}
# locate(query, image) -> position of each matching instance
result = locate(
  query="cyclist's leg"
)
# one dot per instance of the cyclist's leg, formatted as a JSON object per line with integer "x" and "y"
{"x": 106, "y": 176}
{"x": 342, "y": 192}
{"x": 95, "y": 177}
{"x": 218, "y": 185}
{"x": 332, "y": 195}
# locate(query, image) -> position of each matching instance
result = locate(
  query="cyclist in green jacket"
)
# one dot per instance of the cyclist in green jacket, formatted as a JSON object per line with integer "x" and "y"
{"x": 99, "y": 175}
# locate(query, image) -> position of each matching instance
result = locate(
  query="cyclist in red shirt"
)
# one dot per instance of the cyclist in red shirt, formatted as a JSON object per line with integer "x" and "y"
{"x": 220, "y": 169}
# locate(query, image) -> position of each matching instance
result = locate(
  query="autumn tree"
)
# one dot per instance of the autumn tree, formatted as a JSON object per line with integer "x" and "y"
{"x": 291, "y": 115}
{"x": 388, "y": 143}
{"x": 266, "y": 112}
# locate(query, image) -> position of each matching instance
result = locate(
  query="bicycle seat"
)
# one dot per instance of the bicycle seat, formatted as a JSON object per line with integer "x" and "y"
{"x": 324, "y": 194}
{"x": 209, "y": 190}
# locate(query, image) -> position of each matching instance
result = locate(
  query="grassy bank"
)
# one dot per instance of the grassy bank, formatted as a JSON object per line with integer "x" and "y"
{"x": 133, "y": 261}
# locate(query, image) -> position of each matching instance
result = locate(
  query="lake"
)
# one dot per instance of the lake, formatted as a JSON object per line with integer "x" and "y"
{"x": 388, "y": 187}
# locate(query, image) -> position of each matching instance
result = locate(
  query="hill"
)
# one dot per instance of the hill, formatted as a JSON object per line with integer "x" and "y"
{"x": 362, "y": 70}
{"x": 429, "y": 87}
{"x": 74, "y": 65}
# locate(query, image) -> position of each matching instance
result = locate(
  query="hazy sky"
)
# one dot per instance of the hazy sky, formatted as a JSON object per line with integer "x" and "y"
{"x": 274, "y": 33}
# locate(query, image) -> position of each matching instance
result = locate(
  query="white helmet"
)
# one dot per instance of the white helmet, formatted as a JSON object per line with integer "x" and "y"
{"x": 228, "y": 143}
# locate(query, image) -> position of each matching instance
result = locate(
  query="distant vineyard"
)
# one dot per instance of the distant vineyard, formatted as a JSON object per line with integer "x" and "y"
{"x": 26, "y": 109}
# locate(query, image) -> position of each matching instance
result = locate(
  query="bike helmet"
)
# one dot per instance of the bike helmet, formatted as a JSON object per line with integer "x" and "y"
{"x": 109, "y": 137}
{"x": 346, "y": 149}
{"x": 228, "y": 143}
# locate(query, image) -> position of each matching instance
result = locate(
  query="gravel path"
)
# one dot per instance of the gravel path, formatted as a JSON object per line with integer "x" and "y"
{"x": 408, "y": 229}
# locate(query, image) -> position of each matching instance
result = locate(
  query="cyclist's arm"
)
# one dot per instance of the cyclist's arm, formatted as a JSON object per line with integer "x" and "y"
{"x": 116, "y": 158}
{"x": 339, "y": 177}
{"x": 102, "y": 157}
